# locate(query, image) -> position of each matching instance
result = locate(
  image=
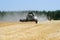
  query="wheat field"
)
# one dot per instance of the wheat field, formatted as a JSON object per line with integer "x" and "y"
{"x": 49, "y": 30}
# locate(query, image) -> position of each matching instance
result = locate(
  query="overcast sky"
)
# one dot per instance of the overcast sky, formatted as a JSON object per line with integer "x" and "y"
{"x": 20, "y": 5}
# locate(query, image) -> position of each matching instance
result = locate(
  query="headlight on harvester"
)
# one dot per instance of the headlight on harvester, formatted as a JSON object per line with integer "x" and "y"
{"x": 35, "y": 17}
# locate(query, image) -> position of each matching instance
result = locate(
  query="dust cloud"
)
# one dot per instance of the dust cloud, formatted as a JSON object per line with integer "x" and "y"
{"x": 15, "y": 17}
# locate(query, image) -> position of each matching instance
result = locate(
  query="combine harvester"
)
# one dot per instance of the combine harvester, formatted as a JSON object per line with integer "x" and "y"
{"x": 30, "y": 17}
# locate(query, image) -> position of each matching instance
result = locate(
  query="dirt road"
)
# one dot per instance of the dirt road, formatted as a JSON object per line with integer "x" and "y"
{"x": 30, "y": 31}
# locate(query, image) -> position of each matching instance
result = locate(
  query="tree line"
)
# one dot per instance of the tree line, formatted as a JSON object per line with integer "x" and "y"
{"x": 55, "y": 15}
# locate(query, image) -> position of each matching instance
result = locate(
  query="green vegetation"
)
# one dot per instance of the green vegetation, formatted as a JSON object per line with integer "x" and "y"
{"x": 2, "y": 13}
{"x": 55, "y": 15}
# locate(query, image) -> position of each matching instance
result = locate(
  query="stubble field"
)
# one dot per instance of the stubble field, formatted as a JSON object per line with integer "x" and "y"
{"x": 49, "y": 30}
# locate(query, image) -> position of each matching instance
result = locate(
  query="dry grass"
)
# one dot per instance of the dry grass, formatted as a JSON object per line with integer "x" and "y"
{"x": 30, "y": 31}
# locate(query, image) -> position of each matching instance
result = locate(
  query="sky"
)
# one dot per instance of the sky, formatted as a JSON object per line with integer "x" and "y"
{"x": 21, "y": 5}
